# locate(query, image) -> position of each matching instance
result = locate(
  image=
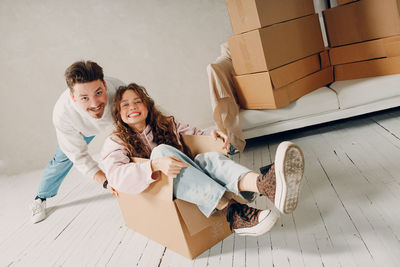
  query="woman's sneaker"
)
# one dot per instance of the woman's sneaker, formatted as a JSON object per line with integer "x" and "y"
{"x": 281, "y": 183}
{"x": 248, "y": 221}
{"x": 38, "y": 208}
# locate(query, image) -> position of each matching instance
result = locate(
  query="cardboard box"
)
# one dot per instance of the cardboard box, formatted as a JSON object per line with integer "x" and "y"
{"x": 380, "y": 48}
{"x": 271, "y": 47}
{"x": 370, "y": 68}
{"x": 324, "y": 59}
{"x": 175, "y": 224}
{"x": 255, "y": 92}
{"x": 343, "y": 2}
{"x": 285, "y": 75}
{"x": 362, "y": 21}
{"x": 294, "y": 71}
{"x": 254, "y": 14}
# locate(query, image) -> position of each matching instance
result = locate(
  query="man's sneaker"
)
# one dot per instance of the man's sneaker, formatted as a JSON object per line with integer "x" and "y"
{"x": 281, "y": 183}
{"x": 248, "y": 221}
{"x": 38, "y": 208}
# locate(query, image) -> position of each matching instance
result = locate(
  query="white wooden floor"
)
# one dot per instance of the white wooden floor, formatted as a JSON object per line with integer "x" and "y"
{"x": 348, "y": 214}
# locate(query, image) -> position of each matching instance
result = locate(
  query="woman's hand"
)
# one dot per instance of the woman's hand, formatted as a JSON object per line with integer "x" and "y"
{"x": 169, "y": 165}
{"x": 218, "y": 134}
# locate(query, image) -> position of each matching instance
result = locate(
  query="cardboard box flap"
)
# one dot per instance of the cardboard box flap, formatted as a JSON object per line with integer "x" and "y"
{"x": 192, "y": 216}
{"x": 198, "y": 144}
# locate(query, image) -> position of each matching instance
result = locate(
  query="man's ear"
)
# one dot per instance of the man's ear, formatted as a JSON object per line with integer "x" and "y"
{"x": 105, "y": 85}
{"x": 72, "y": 95}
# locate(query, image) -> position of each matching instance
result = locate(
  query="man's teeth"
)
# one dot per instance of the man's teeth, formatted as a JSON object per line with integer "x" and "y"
{"x": 96, "y": 109}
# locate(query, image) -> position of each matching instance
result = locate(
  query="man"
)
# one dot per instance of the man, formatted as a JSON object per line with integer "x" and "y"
{"x": 81, "y": 112}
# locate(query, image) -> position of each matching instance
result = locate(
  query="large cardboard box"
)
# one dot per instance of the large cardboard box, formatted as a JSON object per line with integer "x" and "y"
{"x": 175, "y": 224}
{"x": 274, "y": 46}
{"x": 253, "y": 14}
{"x": 380, "y": 48}
{"x": 361, "y": 21}
{"x": 255, "y": 91}
{"x": 369, "y": 68}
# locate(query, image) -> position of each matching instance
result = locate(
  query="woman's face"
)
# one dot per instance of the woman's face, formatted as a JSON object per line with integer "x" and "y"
{"x": 133, "y": 110}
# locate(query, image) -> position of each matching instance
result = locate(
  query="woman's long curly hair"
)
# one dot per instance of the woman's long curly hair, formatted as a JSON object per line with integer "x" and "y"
{"x": 162, "y": 126}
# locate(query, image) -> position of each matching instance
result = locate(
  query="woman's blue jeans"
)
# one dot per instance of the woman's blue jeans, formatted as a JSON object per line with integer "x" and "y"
{"x": 207, "y": 178}
{"x": 55, "y": 172}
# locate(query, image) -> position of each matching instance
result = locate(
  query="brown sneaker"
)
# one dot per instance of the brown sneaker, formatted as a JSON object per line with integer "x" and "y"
{"x": 266, "y": 182}
{"x": 245, "y": 220}
{"x": 281, "y": 183}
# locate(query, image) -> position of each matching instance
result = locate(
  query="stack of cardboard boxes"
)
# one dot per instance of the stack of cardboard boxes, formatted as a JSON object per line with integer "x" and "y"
{"x": 277, "y": 51}
{"x": 364, "y": 38}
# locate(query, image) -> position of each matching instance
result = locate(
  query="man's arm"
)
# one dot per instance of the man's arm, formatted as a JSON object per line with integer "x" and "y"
{"x": 75, "y": 148}
{"x": 100, "y": 177}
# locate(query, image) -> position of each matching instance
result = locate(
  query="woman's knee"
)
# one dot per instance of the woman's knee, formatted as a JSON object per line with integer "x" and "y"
{"x": 208, "y": 157}
{"x": 163, "y": 150}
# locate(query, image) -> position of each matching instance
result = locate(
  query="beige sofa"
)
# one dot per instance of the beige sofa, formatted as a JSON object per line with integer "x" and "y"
{"x": 339, "y": 100}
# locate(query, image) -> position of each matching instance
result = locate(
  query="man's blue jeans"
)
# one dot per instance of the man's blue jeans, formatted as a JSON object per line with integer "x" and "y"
{"x": 206, "y": 179}
{"x": 55, "y": 172}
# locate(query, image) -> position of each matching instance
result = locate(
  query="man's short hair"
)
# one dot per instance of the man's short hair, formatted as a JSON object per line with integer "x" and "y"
{"x": 83, "y": 72}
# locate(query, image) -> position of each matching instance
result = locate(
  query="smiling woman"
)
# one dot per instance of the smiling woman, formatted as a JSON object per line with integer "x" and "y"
{"x": 143, "y": 131}
{"x": 133, "y": 111}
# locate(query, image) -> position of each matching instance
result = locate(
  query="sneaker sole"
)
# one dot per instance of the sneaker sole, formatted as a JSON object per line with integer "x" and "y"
{"x": 262, "y": 227}
{"x": 39, "y": 218}
{"x": 289, "y": 169}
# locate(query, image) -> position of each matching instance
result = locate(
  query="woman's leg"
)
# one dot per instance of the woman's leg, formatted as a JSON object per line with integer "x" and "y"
{"x": 280, "y": 183}
{"x": 235, "y": 177}
{"x": 192, "y": 184}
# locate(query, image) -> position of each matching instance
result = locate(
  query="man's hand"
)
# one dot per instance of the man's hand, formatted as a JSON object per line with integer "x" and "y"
{"x": 100, "y": 177}
{"x": 112, "y": 190}
{"x": 218, "y": 134}
{"x": 169, "y": 165}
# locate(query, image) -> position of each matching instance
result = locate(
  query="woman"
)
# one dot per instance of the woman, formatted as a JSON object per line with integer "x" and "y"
{"x": 143, "y": 131}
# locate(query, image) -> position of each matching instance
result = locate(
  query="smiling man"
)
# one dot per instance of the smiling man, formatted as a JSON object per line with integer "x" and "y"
{"x": 81, "y": 112}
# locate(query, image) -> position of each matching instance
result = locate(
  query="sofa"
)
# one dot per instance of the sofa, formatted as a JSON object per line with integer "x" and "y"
{"x": 338, "y": 100}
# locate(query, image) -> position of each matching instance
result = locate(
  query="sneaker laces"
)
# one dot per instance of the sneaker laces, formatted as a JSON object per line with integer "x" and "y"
{"x": 37, "y": 207}
{"x": 245, "y": 212}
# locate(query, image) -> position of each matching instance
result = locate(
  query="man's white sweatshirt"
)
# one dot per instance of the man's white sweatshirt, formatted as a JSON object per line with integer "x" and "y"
{"x": 72, "y": 123}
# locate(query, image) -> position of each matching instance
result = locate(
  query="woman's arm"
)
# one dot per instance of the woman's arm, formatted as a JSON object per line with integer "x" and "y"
{"x": 121, "y": 173}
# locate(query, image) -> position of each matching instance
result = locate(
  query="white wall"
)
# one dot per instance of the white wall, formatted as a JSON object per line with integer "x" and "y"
{"x": 164, "y": 45}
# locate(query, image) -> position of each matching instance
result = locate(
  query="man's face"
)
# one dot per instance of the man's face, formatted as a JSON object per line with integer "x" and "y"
{"x": 91, "y": 97}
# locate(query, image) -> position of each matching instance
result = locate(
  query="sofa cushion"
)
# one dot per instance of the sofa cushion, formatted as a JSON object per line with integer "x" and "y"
{"x": 358, "y": 92}
{"x": 318, "y": 101}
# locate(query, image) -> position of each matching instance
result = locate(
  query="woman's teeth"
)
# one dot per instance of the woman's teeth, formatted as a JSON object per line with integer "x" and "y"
{"x": 133, "y": 115}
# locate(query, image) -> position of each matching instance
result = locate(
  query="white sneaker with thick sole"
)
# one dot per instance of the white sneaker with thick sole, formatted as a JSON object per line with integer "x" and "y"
{"x": 266, "y": 221}
{"x": 38, "y": 208}
{"x": 289, "y": 170}
{"x": 249, "y": 221}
